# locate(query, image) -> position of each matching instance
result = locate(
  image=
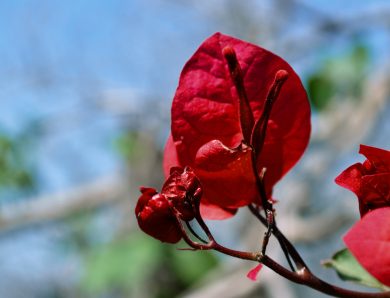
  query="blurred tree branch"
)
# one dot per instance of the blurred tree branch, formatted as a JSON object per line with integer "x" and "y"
{"x": 60, "y": 205}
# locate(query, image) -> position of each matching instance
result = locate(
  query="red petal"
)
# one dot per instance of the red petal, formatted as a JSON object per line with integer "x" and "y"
{"x": 375, "y": 192}
{"x": 208, "y": 210}
{"x": 226, "y": 175}
{"x": 155, "y": 217}
{"x": 351, "y": 178}
{"x": 170, "y": 158}
{"x": 371, "y": 186}
{"x": 147, "y": 194}
{"x": 369, "y": 242}
{"x": 376, "y": 187}
{"x": 253, "y": 273}
{"x": 380, "y": 158}
{"x": 216, "y": 212}
{"x": 205, "y": 106}
{"x": 183, "y": 191}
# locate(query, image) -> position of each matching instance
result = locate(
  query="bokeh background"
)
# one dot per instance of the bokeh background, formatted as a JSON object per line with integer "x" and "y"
{"x": 85, "y": 93}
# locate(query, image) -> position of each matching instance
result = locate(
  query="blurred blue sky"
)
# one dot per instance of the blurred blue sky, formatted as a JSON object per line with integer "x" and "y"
{"x": 57, "y": 57}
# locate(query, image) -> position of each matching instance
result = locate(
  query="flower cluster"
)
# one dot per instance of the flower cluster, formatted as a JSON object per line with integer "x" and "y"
{"x": 369, "y": 239}
{"x": 240, "y": 122}
{"x": 239, "y": 111}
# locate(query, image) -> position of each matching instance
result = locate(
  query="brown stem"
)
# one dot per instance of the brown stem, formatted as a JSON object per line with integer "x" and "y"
{"x": 194, "y": 233}
{"x": 284, "y": 242}
{"x": 259, "y": 183}
{"x": 188, "y": 240}
{"x": 275, "y": 232}
{"x": 212, "y": 244}
{"x": 286, "y": 246}
{"x": 302, "y": 276}
{"x": 307, "y": 278}
{"x": 203, "y": 225}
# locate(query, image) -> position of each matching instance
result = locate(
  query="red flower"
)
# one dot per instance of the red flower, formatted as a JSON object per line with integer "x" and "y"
{"x": 369, "y": 242}
{"x": 370, "y": 181}
{"x": 184, "y": 191}
{"x": 156, "y": 212}
{"x": 214, "y": 122}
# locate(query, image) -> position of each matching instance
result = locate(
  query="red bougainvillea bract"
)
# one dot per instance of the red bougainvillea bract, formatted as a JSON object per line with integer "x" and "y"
{"x": 206, "y": 133}
{"x": 370, "y": 180}
{"x": 369, "y": 238}
{"x": 369, "y": 242}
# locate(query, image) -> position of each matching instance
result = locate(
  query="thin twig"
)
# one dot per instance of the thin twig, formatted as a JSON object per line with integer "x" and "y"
{"x": 283, "y": 241}
{"x": 194, "y": 233}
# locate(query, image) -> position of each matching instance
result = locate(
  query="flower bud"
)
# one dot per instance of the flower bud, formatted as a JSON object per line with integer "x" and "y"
{"x": 184, "y": 191}
{"x": 156, "y": 212}
{"x": 155, "y": 216}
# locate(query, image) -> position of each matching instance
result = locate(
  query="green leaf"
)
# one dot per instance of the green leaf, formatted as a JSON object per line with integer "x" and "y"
{"x": 349, "y": 269}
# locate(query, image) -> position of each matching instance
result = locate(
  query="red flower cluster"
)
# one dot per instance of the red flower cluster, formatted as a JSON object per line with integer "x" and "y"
{"x": 370, "y": 181}
{"x": 240, "y": 111}
{"x": 155, "y": 212}
{"x": 218, "y": 123}
{"x": 369, "y": 239}
{"x": 237, "y": 110}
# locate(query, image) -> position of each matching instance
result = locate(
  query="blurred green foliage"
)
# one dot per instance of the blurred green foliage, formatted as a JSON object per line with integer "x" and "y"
{"x": 121, "y": 265}
{"x": 129, "y": 145}
{"x": 342, "y": 76}
{"x": 189, "y": 266}
{"x": 139, "y": 266}
{"x": 14, "y": 169}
